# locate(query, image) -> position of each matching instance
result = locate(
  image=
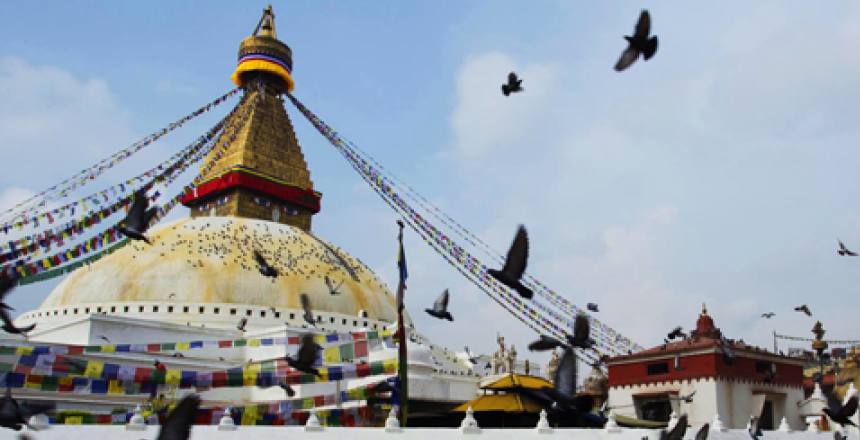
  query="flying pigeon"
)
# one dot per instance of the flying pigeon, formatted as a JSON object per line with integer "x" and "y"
{"x": 331, "y": 287}
{"x": 579, "y": 339}
{"x": 288, "y": 389}
{"x": 838, "y": 436}
{"x": 472, "y": 358}
{"x": 515, "y": 264}
{"x": 104, "y": 338}
{"x": 702, "y": 434}
{"x": 306, "y": 307}
{"x": 841, "y": 414}
{"x": 638, "y": 43}
{"x": 514, "y": 85}
{"x": 768, "y": 315}
{"x": 677, "y": 332}
{"x": 8, "y": 326}
{"x": 688, "y": 398}
{"x": 242, "y": 323}
{"x": 754, "y": 429}
{"x": 677, "y": 433}
{"x": 139, "y": 217}
{"x": 592, "y": 307}
{"x": 843, "y": 251}
{"x": 178, "y": 424}
{"x": 440, "y": 307}
{"x": 14, "y": 415}
{"x": 803, "y": 308}
{"x": 265, "y": 269}
{"x": 306, "y": 356}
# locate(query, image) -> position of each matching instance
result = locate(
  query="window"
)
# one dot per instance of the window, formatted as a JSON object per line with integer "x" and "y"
{"x": 65, "y": 311}
{"x": 140, "y": 309}
{"x": 185, "y": 309}
{"x": 292, "y": 316}
{"x": 125, "y": 309}
{"x": 232, "y": 311}
{"x": 331, "y": 320}
{"x": 277, "y": 314}
{"x": 154, "y": 309}
{"x": 344, "y": 321}
{"x": 113, "y": 309}
{"x": 217, "y": 310}
{"x": 374, "y": 326}
{"x": 248, "y": 312}
{"x": 98, "y": 309}
{"x": 76, "y": 311}
{"x": 56, "y": 312}
{"x": 169, "y": 309}
{"x": 319, "y": 318}
{"x": 655, "y": 408}
{"x": 201, "y": 309}
{"x": 365, "y": 324}
{"x": 87, "y": 310}
{"x": 355, "y": 323}
{"x": 655, "y": 369}
{"x": 262, "y": 313}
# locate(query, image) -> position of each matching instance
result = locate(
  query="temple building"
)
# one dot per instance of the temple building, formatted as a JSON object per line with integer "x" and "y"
{"x": 730, "y": 382}
{"x": 199, "y": 279}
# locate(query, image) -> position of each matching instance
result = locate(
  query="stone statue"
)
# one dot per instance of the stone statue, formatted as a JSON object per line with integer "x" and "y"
{"x": 527, "y": 367}
{"x": 512, "y": 359}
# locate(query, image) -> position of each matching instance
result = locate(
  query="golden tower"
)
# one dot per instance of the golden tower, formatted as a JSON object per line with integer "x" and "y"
{"x": 263, "y": 173}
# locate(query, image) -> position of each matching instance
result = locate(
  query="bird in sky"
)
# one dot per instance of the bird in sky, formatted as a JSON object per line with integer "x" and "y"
{"x": 515, "y": 265}
{"x": 677, "y": 432}
{"x": 639, "y": 43}
{"x": 768, "y": 315}
{"x": 288, "y": 389}
{"x": 803, "y": 308}
{"x": 514, "y": 85}
{"x": 306, "y": 355}
{"x": 581, "y": 337}
{"x": 242, "y": 323}
{"x": 593, "y": 307}
{"x": 264, "y": 267}
{"x": 440, "y": 307}
{"x": 6, "y": 286}
{"x": 839, "y": 413}
{"x": 844, "y": 251}
{"x": 677, "y": 332}
{"x": 139, "y": 216}
{"x": 14, "y": 415}
{"x": 178, "y": 424}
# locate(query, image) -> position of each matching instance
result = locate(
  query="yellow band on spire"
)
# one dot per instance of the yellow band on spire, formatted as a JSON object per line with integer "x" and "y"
{"x": 265, "y": 66}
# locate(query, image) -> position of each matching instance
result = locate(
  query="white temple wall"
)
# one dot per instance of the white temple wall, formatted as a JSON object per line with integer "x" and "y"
{"x": 700, "y": 411}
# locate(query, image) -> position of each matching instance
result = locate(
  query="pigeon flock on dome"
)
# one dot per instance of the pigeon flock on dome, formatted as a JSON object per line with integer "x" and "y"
{"x": 244, "y": 276}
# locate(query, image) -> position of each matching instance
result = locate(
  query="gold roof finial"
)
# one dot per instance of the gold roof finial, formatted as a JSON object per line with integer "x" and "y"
{"x": 266, "y": 25}
{"x": 704, "y": 309}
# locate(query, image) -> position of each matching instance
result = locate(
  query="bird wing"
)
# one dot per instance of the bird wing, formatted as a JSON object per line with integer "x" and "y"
{"x": 512, "y": 78}
{"x": 134, "y": 218}
{"x": 260, "y": 259}
{"x": 842, "y": 245}
{"x": 545, "y": 343}
{"x": 849, "y": 408}
{"x": 178, "y": 423}
{"x": 441, "y": 302}
{"x": 518, "y": 254}
{"x": 677, "y": 433}
{"x": 306, "y": 303}
{"x": 328, "y": 283}
{"x": 643, "y": 26}
{"x": 581, "y": 330}
{"x": 6, "y": 285}
{"x": 308, "y": 351}
{"x": 703, "y": 432}
{"x": 851, "y": 253}
{"x": 148, "y": 217}
{"x": 565, "y": 374}
{"x": 7, "y": 320}
{"x": 627, "y": 58}
{"x": 650, "y": 48}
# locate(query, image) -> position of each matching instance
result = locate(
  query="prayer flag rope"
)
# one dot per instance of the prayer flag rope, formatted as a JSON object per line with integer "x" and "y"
{"x": 535, "y": 312}
{"x": 88, "y": 174}
{"x": 829, "y": 341}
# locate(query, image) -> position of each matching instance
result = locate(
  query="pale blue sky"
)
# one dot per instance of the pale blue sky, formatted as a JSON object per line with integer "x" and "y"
{"x": 721, "y": 171}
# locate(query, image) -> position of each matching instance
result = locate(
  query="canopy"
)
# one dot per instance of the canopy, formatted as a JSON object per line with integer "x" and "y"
{"x": 514, "y": 380}
{"x": 511, "y": 402}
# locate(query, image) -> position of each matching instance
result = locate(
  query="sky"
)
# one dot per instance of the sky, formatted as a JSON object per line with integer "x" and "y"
{"x": 722, "y": 171}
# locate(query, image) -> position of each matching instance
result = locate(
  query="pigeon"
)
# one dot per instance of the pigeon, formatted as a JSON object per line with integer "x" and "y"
{"x": 639, "y": 43}
{"x": 288, "y": 389}
{"x": 514, "y": 85}
{"x": 472, "y": 358}
{"x": 685, "y": 398}
{"x": 8, "y": 325}
{"x": 139, "y": 217}
{"x": 841, "y": 414}
{"x": 843, "y": 251}
{"x": 331, "y": 287}
{"x": 838, "y": 436}
{"x": 104, "y": 338}
{"x": 177, "y": 426}
{"x": 768, "y": 315}
{"x": 515, "y": 264}
{"x": 677, "y": 332}
{"x": 306, "y": 355}
{"x": 440, "y": 307}
{"x": 242, "y": 323}
{"x": 728, "y": 353}
{"x": 593, "y": 307}
{"x": 803, "y": 308}
{"x": 677, "y": 433}
{"x": 702, "y": 434}
{"x": 14, "y": 415}
{"x": 306, "y": 306}
{"x": 754, "y": 430}
{"x": 579, "y": 339}
{"x": 265, "y": 269}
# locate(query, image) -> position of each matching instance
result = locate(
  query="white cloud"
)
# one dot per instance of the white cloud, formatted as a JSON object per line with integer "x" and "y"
{"x": 54, "y": 121}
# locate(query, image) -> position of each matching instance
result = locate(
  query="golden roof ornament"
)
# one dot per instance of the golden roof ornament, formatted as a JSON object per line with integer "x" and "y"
{"x": 263, "y": 56}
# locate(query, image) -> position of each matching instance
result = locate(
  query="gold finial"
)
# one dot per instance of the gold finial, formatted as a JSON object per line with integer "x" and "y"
{"x": 266, "y": 25}
{"x": 704, "y": 309}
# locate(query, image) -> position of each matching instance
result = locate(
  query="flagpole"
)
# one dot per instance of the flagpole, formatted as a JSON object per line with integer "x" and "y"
{"x": 401, "y": 331}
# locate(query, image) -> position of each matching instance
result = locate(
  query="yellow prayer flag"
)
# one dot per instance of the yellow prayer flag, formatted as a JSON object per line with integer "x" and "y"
{"x": 108, "y": 348}
{"x": 171, "y": 377}
{"x": 390, "y": 365}
{"x": 183, "y": 346}
{"x": 115, "y": 387}
{"x": 94, "y": 369}
{"x": 74, "y": 420}
{"x": 331, "y": 355}
{"x": 23, "y": 351}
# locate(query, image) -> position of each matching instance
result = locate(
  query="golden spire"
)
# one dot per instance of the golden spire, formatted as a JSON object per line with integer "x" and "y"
{"x": 266, "y": 24}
